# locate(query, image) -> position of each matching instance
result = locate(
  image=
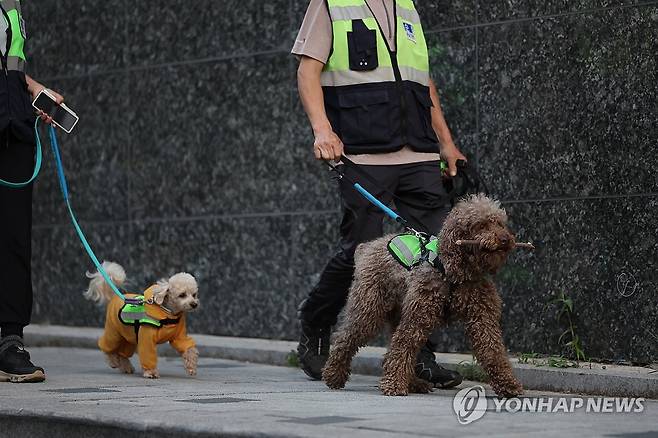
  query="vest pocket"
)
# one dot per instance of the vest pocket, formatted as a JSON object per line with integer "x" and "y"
{"x": 364, "y": 117}
{"x": 362, "y": 47}
{"x": 424, "y": 122}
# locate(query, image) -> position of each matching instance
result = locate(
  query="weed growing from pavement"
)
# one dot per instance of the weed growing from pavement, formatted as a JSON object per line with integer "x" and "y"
{"x": 292, "y": 359}
{"x": 471, "y": 370}
{"x": 550, "y": 361}
{"x": 569, "y": 339}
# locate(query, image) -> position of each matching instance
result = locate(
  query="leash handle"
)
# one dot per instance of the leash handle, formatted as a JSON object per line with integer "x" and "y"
{"x": 54, "y": 144}
{"x": 37, "y": 166}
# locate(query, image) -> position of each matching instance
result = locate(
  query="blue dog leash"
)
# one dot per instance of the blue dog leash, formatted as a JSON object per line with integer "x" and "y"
{"x": 65, "y": 192}
{"x": 369, "y": 196}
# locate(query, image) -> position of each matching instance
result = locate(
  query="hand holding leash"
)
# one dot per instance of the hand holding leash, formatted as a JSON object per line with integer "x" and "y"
{"x": 327, "y": 145}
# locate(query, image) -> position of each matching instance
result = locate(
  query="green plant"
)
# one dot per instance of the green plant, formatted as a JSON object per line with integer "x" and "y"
{"x": 292, "y": 359}
{"x": 551, "y": 361}
{"x": 569, "y": 339}
{"x": 472, "y": 371}
{"x": 528, "y": 358}
{"x": 561, "y": 362}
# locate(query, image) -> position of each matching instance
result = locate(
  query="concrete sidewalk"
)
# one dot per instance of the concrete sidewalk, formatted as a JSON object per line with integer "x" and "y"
{"x": 594, "y": 379}
{"x": 82, "y": 397}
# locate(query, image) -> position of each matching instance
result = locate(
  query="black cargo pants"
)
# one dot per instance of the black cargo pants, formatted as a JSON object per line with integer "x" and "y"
{"x": 16, "y": 164}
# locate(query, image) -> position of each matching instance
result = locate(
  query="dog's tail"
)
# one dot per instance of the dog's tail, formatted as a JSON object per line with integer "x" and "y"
{"x": 99, "y": 291}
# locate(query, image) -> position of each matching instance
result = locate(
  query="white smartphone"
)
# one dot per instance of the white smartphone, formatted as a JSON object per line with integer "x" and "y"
{"x": 62, "y": 115}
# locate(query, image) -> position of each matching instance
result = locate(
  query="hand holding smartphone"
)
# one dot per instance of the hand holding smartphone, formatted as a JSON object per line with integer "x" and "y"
{"x": 62, "y": 115}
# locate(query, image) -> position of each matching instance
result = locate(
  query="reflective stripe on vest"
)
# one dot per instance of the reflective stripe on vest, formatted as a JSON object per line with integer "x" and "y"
{"x": 132, "y": 314}
{"x": 411, "y": 46}
{"x": 16, "y": 55}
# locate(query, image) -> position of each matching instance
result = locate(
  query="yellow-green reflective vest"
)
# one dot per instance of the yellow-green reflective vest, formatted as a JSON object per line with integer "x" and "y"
{"x": 378, "y": 100}
{"x": 14, "y": 59}
{"x": 16, "y": 112}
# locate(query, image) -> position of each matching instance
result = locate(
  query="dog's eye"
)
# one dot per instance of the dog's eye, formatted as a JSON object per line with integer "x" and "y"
{"x": 182, "y": 295}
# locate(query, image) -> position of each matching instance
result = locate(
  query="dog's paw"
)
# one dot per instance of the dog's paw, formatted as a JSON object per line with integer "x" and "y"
{"x": 113, "y": 360}
{"x": 190, "y": 360}
{"x": 335, "y": 379}
{"x": 509, "y": 389}
{"x": 393, "y": 388}
{"x": 420, "y": 386}
{"x": 151, "y": 374}
{"x": 125, "y": 366}
{"x": 119, "y": 362}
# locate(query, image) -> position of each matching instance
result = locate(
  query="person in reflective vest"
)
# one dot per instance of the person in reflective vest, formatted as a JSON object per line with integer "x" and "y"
{"x": 364, "y": 81}
{"x": 17, "y": 145}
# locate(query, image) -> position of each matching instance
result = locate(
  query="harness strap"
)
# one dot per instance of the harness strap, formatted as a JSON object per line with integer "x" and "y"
{"x": 170, "y": 321}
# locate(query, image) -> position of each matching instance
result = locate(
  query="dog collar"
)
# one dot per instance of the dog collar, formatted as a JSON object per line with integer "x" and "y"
{"x": 153, "y": 303}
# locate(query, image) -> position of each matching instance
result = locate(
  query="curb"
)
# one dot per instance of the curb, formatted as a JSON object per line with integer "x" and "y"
{"x": 591, "y": 379}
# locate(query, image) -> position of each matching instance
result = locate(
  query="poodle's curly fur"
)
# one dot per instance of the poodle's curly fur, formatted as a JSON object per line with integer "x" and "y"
{"x": 414, "y": 302}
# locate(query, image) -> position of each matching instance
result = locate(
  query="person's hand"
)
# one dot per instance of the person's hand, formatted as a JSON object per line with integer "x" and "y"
{"x": 34, "y": 90}
{"x": 451, "y": 154}
{"x": 327, "y": 145}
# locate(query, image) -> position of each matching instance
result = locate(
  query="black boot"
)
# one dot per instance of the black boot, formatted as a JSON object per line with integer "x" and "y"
{"x": 427, "y": 369}
{"x": 313, "y": 349}
{"x": 15, "y": 365}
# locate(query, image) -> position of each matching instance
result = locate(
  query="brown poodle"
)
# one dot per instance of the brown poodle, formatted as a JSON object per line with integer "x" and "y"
{"x": 414, "y": 302}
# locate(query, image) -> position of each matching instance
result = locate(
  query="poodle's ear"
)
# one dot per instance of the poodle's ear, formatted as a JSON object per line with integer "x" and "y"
{"x": 160, "y": 292}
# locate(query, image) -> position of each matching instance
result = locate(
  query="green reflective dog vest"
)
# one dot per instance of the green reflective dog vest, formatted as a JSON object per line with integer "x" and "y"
{"x": 411, "y": 251}
{"x": 136, "y": 315}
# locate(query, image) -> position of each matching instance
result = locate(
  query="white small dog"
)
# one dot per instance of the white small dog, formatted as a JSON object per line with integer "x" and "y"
{"x": 134, "y": 327}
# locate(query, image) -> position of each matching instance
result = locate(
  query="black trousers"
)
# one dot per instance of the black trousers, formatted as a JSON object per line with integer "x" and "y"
{"x": 16, "y": 165}
{"x": 416, "y": 185}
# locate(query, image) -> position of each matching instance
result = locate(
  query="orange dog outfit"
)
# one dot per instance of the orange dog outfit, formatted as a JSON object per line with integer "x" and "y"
{"x": 130, "y": 328}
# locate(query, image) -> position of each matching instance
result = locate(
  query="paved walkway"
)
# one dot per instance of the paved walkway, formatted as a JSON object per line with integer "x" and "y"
{"x": 82, "y": 397}
{"x": 590, "y": 378}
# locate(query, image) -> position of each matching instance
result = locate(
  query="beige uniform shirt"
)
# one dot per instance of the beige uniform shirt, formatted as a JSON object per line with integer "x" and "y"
{"x": 315, "y": 40}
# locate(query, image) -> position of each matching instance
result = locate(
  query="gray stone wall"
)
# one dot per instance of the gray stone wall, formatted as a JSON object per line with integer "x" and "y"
{"x": 193, "y": 154}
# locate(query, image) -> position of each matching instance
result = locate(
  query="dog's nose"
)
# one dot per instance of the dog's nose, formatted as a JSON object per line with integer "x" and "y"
{"x": 195, "y": 305}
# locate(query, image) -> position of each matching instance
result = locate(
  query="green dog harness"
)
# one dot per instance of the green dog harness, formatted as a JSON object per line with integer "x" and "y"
{"x": 136, "y": 315}
{"x": 411, "y": 250}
